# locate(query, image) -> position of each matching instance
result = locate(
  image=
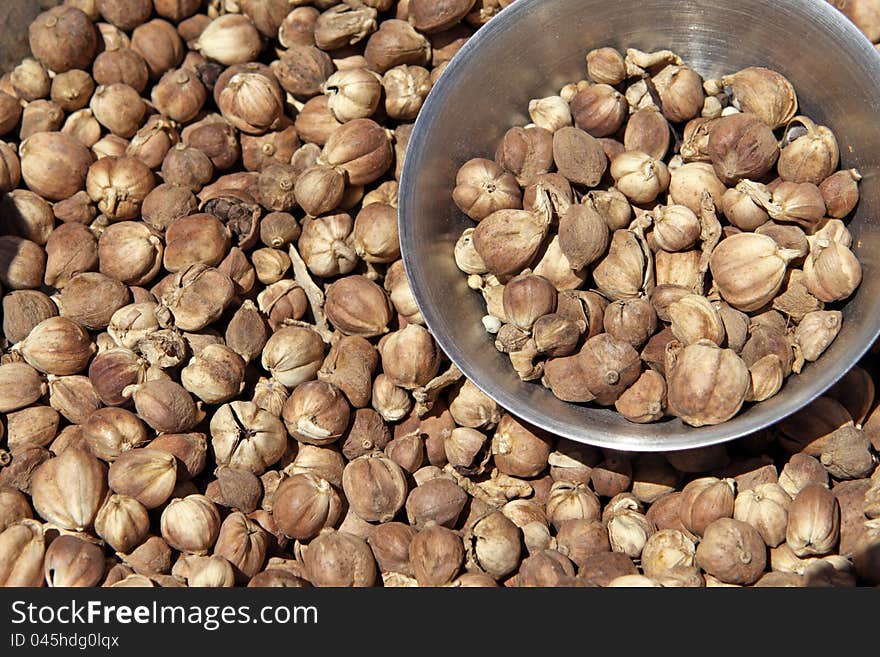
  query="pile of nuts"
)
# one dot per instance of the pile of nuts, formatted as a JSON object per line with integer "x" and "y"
{"x": 604, "y": 294}
{"x": 214, "y": 373}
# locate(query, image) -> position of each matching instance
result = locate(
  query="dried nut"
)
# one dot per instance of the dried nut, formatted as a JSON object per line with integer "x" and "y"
{"x": 483, "y": 187}
{"x": 764, "y": 93}
{"x": 665, "y": 551}
{"x": 325, "y": 245}
{"x": 647, "y": 131}
{"x": 438, "y": 500}
{"x": 645, "y": 400}
{"x": 800, "y": 203}
{"x": 577, "y": 154}
{"x": 816, "y": 332}
{"x": 216, "y": 375}
{"x": 23, "y": 310}
{"x": 396, "y": 42}
{"x": 742, "y": 146}
{"x": 350, "y": 366}
{"x": 620, "y": 275}
{"x": 688, "y": 182}
{"x": 698, "y": 403}
{"x": 493, "y": 545}
{"x": 813, "y": 522}
{"x": 322, "y": 461}
{"x": 436, "y": 554}
{"x": 164, "y": 405}
{"x": 430, "y": 17}
{"x": 530, "y": 152}
{"x": 466, "y": 450}
{"x": 147, "y": 475}
{"x": 749, "y": 269}
{"x": 583, "y": 235}
{"x": 609, "y": 367}
{"x": 640, "y": 177}
{"x": 517, "y": 450}
{"x": 466, "y": 257}
{"x": 391, "y": 401}
{"x": 732, "y": 551}
{"x": 549, "y": 568}
{"x": 20, "y": 386}
{"x": 831, "y": 271}
{"x": 15, "y": 507}
{"x": 197, "y": 296}
{"x": 24, "y": 547}
{"x": 606, "y": 66}
{"x": 230, "y": 39}
{"x": 130, "y": 252}
{"x": 57, "y": 346}
{"x": 631, "y": 320}
{"x": 551, "y": 113}
{"x": 91, "y": 299}
{"x": 108, "y": 432}
{"x": 742, "y": 210}
{"x": 410, "y": 357}
{"x": 811, "y": 157}
{"x": 840, "y": 191}
{"x": 570, "y": 501}
{"x": 337, "y": 558}
{"x": 704, "y": 500}
{"x": 179, "y": 95}
{"x": 119, "y": 108}
{"x": 191, "y": 524}
{"x": 765, "y": 508}
{"x": 304, "y": 504}
{"x": 357, "y": 306}
{"x": 54, "y": 165}
{"x": 122, "y": 522}
{"x": 694, "y": 318}
{"x": 375, "y": 487}
{"x": 676, "y": 228}
{"x": 247, "y": 437}
{"x": 628, "y": 532}
{"x": 68, "y": 490}
{"x": 362, "y": 148}
{"x": 599, "y": 110}
{"x": 35, "y": 425}
{"x": 316, "y": 413}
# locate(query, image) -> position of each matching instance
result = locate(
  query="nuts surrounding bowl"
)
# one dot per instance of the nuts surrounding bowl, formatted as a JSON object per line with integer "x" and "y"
{"x": 214, "y": 372}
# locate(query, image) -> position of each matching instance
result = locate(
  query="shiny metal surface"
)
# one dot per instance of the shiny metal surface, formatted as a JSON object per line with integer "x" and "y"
{"x": 534, "y": 47}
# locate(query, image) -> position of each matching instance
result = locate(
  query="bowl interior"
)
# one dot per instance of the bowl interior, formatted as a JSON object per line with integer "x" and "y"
{"x": 535, "y": 47}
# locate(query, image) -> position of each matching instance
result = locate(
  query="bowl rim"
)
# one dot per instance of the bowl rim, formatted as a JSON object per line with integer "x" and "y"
{"x": 690, "y": 437}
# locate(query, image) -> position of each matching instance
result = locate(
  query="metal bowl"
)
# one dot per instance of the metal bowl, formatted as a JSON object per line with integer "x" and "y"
{"x": 531, "y": 50}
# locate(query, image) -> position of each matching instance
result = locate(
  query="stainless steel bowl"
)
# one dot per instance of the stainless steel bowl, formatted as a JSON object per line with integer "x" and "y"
{"x": 531, "y": 50}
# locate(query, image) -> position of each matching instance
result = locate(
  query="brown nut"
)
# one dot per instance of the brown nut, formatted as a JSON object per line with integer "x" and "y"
{"x": 68, "y": 490}
{"x": 247, "y": 437}
{"x": 304, "y": 504}
{"x": 316, "y": 413}
{"x": 742, "y": 146}
{"x": 698, "y": 404}
{"x": 732, "y": 551}
{"x": 337, "y": 558}
{"x": 191, "y": 524}
{"x": 147, "y": 475}
{"x": 164, "y": 405}
{"x": 375, "y": 487}
{"x": 63, "y": 38}
{"x": 813, "y": 522}
{"x": 122, "y": 522}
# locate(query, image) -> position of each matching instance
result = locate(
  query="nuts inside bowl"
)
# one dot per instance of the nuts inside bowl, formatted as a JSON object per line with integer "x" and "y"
{"x": 698, "y": 235}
